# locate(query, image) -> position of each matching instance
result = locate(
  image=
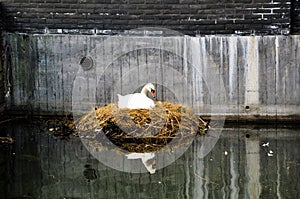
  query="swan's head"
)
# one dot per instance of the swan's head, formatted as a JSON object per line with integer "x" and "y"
{"x": 149, "y": 88}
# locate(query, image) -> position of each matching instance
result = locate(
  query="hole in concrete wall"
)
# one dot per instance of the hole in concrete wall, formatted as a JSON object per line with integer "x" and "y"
{"x": 86, "y": 63}
{"x": 247, "y": 107}
{"x": 247, "y": 135}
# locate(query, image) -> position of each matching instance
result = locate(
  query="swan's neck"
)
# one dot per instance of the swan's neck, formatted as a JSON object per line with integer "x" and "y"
{"x": 144, "y": 90}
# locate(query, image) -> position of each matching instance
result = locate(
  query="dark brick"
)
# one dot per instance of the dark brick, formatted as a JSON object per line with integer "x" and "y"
{"x": 101, "y": 1}
{"x": 262, "y": 1}
{"x": 136, "y": 1}
{"x": 170, "y": 1}
{"x": 152, "y": 1}
{"x": 295, "y": 20}
{"x": 243, "y": 1}
{"x": 21, "y": 1}
{"x": 52, "y": 1}
{"x": 188, "y": 16}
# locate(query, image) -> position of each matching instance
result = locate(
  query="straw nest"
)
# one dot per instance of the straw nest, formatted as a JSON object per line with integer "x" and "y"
{"x": 142, "y": 130}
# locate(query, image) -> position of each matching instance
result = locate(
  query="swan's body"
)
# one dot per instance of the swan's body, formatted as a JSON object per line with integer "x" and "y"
{"x": 138, "y": 100}
{"x": 148, "y": 160}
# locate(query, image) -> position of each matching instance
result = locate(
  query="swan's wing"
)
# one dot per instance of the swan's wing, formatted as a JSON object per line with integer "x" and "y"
{"x": 133, "y": 156}
{"x": 139, "y": 100}
{"x": 148, "y": 103}
{"x": 147, "y": 160}
{"x": 149, "y": 167}
{"x": 152, "y": 105}
{"x": 135, "y": 101}
{"x": 145, "y": 156}
{"x": 123, "y": 100}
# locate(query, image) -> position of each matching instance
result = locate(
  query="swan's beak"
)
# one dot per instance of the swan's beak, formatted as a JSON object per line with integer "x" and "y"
{"x": 153, "y": 93}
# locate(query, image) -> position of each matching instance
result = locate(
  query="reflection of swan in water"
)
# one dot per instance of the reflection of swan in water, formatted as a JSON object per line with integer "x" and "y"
{"x": 138, "y": 100}
{"x": 147, "y": 159}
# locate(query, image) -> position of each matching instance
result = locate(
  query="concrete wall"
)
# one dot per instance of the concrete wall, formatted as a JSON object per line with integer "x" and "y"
{"x": 246, "y": 75}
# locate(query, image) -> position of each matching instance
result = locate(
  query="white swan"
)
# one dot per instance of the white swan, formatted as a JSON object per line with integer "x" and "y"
{"x": 138, "y": 100}
{"x": 148, "y": 159}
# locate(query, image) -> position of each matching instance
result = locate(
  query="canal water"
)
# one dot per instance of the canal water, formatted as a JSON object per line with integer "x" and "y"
{"x": 247, "y": 162}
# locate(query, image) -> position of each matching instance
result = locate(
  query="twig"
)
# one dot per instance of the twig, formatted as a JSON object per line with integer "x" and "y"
{"x": 11, "y": 119}
{"x": 205, "y": 123}
{"x": 205, "y": 179}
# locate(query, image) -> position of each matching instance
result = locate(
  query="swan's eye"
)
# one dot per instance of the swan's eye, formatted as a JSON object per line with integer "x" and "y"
{"x": 153, "y": 92}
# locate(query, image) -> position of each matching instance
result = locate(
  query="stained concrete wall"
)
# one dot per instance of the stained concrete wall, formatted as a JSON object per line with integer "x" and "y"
{"x": 259, "y": 75}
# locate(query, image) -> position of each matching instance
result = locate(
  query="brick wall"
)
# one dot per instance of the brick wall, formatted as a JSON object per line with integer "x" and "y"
{"x": 1, "y": 66}
{"x": 187, "y": 16}
{"x": 295, "y": 16}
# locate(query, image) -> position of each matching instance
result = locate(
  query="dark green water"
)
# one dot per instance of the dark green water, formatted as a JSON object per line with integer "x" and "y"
{"x": 246, "y": 162}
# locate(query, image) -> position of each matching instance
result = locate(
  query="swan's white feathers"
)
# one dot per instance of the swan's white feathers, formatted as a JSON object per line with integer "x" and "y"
{"x": 137, "y": 100}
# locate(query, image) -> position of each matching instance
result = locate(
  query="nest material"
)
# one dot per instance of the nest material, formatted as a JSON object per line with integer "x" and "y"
{"x": 143, "y": 130}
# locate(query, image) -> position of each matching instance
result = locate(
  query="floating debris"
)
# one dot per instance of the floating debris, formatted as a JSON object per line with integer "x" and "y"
{"x": 270, "y": 153}
{"x": 6, "y": 140}
{"x": 142, "y": 130}
{"x": 62, "y": 127}
{"x": 265, "y": 144}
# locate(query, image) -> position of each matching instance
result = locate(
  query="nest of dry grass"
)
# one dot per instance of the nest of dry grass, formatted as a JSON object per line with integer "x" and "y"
{"x": 142, "y": 130}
